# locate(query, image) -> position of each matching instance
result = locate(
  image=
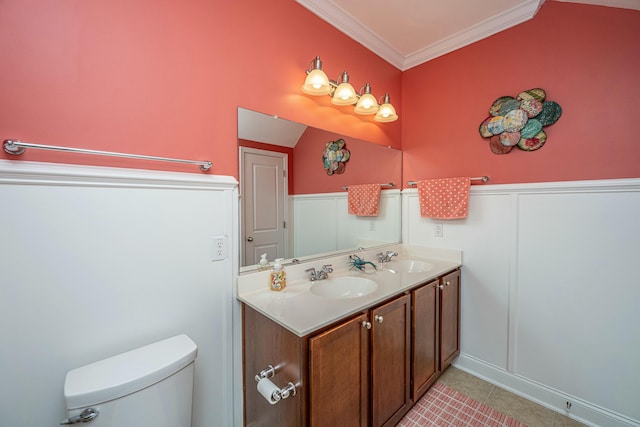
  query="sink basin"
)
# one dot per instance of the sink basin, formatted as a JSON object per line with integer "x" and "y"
{"x": 344, "y": 287}
{"x": 408, "y": 266}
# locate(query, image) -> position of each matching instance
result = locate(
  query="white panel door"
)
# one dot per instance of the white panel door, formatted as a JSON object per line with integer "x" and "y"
{"x": 263, "y": 187}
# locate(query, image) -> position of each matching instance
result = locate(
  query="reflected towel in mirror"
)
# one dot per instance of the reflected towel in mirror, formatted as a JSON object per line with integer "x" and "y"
{"x": 363, "y": 200}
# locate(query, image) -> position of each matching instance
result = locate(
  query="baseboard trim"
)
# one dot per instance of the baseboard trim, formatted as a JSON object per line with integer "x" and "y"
{"x": 581, "y": 410}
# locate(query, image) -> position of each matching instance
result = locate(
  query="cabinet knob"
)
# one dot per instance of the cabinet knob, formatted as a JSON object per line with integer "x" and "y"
{"x": 378, "y": 318}
{"x": 447, "y": 283}
{"x": 366, "y": 324}
{"x": 441, "y": 286}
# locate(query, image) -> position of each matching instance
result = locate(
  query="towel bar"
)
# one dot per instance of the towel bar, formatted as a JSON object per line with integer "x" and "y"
{"x": 484, "y": 178}
{"x": 387, "y": 184}
{"x": 15, "y": 147}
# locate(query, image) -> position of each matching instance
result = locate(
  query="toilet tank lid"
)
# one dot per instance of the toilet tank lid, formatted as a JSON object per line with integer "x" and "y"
{"x": 128, "y": 372}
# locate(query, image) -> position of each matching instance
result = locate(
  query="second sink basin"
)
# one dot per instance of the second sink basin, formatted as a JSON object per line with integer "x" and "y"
{"x": 344, "y": 287}
{"x": 407, "y": 266}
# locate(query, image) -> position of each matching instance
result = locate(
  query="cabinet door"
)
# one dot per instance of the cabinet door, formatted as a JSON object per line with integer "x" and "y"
{"x": 449, "y": 318}
{"x": 424, "y": 339}
{"x": 338, "y": 375}
{"x": 390, "y": 361}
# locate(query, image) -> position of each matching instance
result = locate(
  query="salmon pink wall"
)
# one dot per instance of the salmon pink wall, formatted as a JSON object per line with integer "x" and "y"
{"x": 368, "y": 164}
{"x": 165, "y": 78}
{"x": 587, "y": 58}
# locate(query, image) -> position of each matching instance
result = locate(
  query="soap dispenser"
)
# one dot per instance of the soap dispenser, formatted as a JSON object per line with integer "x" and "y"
{"x": 278, "y": 276}
{"x": 263, "y": 264}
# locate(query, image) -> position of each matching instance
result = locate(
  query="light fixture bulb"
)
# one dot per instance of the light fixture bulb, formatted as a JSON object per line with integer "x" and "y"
{"x": 317, "y": 82}
{"x": 386, "y": 113}
{"x": 367, "y": 104}
{"x": 344, "y": 94}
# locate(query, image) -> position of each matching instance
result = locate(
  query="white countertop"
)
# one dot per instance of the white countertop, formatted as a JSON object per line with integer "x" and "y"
{"x": 302, "y": 312}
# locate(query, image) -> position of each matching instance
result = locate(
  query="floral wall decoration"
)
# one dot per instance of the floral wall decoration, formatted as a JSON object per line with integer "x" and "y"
{"x": 334, "y": 156}
{"x": 519, "y": 122}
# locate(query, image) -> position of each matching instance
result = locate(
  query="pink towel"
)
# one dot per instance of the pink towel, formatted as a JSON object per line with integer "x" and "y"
{"x": 364, "y": 199}
{"x": 446, "y": 198}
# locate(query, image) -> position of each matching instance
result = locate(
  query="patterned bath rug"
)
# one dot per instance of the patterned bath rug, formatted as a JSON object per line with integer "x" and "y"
{"x": 442, "y": 406}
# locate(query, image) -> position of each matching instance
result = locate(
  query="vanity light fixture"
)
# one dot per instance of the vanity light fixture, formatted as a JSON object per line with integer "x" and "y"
{"x": 342, "y": 93}
{"x": 317, "y": 82}
{"x": 367, "y": 104}
{"x": 386, "y": 113}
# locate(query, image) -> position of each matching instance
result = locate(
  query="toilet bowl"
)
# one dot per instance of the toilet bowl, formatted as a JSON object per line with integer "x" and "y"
{"x": 148, "y": 386}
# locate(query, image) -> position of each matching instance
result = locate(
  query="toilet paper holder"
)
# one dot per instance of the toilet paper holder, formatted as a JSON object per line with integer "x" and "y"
{"x": 267, "y": 372}
{"x": 282, "y": 393}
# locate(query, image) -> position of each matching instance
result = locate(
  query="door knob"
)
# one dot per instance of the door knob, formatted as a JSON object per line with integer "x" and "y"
{"x": 249, "y": 239}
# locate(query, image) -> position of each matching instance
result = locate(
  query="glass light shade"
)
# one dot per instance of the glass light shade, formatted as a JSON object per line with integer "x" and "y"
{"x": 367, "y": 104}
{"x": 386, "y": 113}
{"x": 345, "y": 94}
{"x": 316, "y": 83}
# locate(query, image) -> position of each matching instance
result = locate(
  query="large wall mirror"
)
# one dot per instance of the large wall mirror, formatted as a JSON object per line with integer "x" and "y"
{"x": 291, "y": 207}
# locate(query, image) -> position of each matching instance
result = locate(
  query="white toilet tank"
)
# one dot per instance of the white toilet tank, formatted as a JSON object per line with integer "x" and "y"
{"x": 148, "y": 386}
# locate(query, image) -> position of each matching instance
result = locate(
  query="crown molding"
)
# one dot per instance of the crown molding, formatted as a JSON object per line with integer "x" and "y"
{"x": 479, "y": 31}
{"x": 623, "y": 4}
{"x": 352, "y": 27}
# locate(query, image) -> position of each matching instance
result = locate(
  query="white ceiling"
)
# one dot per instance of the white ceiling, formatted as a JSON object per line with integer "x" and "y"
{"x": 259, "y": 127}
{"x": 407, "y": 33}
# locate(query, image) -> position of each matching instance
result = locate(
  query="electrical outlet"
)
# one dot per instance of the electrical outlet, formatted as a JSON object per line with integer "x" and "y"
{"x": 220, "y": 248}
{"x": 372, "y": 226}
{"x": 438, "y": 230}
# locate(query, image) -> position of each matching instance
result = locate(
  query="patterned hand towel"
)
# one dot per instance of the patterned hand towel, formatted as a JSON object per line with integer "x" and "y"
{"x": 446, "y": 198}
{"x": 364, "y": 199}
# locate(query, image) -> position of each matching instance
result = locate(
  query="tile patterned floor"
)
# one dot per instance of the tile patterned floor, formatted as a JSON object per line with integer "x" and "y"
{"x": 529, "y": 413}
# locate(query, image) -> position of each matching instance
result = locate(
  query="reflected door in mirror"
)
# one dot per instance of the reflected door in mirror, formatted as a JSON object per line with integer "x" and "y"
{"x": 263, "y": 204}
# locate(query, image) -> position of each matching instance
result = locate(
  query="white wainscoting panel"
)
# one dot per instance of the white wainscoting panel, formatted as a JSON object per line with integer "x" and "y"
{"x": 485, "y": 295}
{"x": 98, "y": 261}
{"x": 550, "y": 292}
{"x": 322, "y": 223}
{"x": 578, "y": 298}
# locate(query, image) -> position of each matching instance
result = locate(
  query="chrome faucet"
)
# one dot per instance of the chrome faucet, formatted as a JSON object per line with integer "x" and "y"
{"x": 386, "y": 257}
{"x": 319, "y": 274}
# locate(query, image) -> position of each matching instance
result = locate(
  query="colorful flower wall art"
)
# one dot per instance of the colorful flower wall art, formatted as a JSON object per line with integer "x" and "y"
{"x": 334, "y": 156}
{"x": 519, "y": 122}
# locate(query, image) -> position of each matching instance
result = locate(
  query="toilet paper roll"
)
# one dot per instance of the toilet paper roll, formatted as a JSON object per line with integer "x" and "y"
{"x": 269, "y": 391}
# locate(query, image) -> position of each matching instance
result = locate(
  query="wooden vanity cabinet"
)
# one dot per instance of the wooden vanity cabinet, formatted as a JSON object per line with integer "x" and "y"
{"x": 367, "y": 370}
{"x": 449, "y": 287}
{"x": 339, "y": 375}
{"x": 435, "y": 330}
{"x": 424, "y": 335}
{"x": 390, "y": 361}
{"x": 267, "y": 343}
{"x": 366, "y": 359}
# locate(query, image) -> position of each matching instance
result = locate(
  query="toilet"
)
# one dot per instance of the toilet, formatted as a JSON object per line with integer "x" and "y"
{"x": 148, "y": 386}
